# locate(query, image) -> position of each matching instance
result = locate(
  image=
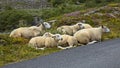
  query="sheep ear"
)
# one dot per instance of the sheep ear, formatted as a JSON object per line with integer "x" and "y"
{"x": 38, "y": 25}
{"x": 102, "y": 26}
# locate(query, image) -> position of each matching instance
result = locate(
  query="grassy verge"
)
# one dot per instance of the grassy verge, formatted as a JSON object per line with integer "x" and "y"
{"x": 15, "y": 50}
{"x": 16, "y": 53}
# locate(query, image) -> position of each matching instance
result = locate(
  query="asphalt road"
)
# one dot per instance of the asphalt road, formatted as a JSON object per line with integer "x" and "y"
{"x": 98, "y": 55}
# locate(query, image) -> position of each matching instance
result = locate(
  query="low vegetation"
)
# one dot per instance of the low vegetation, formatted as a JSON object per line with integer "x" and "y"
{"x": 16, "y": 50}
{"x": 12, "y": 19}
{"x": 107, "y": 15}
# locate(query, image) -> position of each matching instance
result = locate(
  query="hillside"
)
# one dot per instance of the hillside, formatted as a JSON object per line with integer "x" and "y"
{"x": 108, "y": 15}
{"x": 26, "y": 4}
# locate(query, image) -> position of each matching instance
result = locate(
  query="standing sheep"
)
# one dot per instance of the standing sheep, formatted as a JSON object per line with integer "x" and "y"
{"x": 85, "y": 36}
{"x": 43, "y": 42}
{"x": 28, "y": 32}
{"x": 70, "y": 30}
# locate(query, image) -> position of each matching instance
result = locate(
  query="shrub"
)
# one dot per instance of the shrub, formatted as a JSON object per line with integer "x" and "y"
{"x": 9, "y": 19}
{"x": 56, "y": 2}
{"x": 60, "y": 10}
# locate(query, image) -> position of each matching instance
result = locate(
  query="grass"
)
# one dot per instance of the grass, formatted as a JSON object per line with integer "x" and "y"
{"x": 15, "y": 50}
{"x": 16, "y": 53}
{"x": 47, "y": 13}
{"x": 109, "y": 18}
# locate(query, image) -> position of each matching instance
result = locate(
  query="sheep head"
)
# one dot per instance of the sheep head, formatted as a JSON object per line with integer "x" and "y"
{"x": 80, "y": 25}
{"x": 57, "y": 37}
{"x": 46, "y": 25}
{"x": 105, "y": 29}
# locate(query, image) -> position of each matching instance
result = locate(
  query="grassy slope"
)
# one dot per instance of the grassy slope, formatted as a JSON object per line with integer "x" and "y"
{"x": 17, "y": 50}
{"x": 16, "y": 53}
{"x": 109, "y": 15}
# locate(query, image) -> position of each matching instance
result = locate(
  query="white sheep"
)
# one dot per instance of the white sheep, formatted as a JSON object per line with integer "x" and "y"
{"x": 48, "y": 34}
{"x": 85, "y": 25}
{"x": 24, "y": 32}
{"x": 28, "y": 32}
{"x": 67, "y": 42}
{"x": 85, "y": 36}
{"x": 70, "y": 30}
{"x": 43, "y": 42}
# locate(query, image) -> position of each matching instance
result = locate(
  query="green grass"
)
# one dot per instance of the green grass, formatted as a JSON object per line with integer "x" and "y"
{"x": 96, "y": 20}
{"x": 16, "y": 53}
{"x": 16, "y": 49}
{"x": 55, "y": 11}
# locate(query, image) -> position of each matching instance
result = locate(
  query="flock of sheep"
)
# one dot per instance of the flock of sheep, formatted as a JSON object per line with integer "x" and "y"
{"x": 71, "y": 35}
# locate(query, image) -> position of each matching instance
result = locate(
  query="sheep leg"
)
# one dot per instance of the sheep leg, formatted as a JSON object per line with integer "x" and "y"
{"x": 40, "y": 48}
{"x": 65, "y": 47}
{"x": 61, "y": 47}
{"x": 92, "y": 42}
{"x": 69, "y": 47}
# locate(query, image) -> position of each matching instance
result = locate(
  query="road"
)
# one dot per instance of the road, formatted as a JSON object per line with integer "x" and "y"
{"x": 98, "y": 55}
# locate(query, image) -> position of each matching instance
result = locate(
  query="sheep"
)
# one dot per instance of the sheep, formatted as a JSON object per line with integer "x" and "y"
{"x": 42, "y": 42}
{"x": 29, "y": 32}
{"x": 66, "y": 42}
{"x": 85, "y": 36}
{"x": 70, "y": 30}
{"x": 48, "y": 34}
{"x": 24, "y": 32}
{"x": 67, "y": 39}
{"x": 85, "y": 25}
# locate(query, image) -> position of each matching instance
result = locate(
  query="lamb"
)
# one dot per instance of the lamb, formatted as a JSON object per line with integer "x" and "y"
{"x": 42, "y": 42}
{"x": 85, "y": 36}
{"x": 70, "y": 30}
{"x": 29, "y": 32}
{"x": 67, "y": 39}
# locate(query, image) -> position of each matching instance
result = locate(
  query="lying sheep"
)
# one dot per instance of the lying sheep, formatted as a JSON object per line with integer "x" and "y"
{"x": 67, "y": 39}
{"x": 28, "y": 32}
{"x": 70, "y": 30}
{"x": 85, "y": 25}
{"x": 66, "y": 42}
{"x": 24, "y": 32}
{"x": 48, "y": 34}
{"x": 85, "y": 36}
{"x": 43, "y": 42}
